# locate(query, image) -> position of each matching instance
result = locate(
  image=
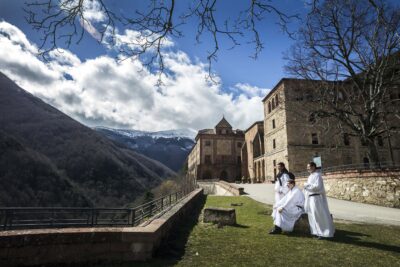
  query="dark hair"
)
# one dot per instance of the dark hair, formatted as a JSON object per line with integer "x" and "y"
{"x": 291, "y": 176}
{"x": 292, "y": 182}
{"x": 312, "y": 163}
{"x": 282, "y": 164}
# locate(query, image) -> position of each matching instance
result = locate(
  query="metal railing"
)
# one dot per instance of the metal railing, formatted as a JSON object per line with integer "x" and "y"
{"x": 358, "y": 167}
{"x": 59, "y": 217}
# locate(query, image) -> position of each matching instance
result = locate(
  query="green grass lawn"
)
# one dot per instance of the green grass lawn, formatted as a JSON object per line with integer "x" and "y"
{"x": 249, "y": 244}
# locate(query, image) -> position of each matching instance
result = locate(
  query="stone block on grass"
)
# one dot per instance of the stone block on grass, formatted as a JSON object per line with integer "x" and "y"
{"x": 301, "y": 225}
{"x": 220, "y": 216}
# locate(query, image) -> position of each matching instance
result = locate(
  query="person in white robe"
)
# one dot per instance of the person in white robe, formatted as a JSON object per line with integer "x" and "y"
{"x": 288, "y": 210}
{"x": 280, "y": 187}
{"x": 281, "y": 182}
{"x": 316, "y": 205}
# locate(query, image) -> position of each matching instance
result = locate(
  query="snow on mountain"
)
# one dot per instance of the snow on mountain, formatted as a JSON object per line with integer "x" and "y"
{"x": 168, "y": 147}
{"x": 178, "y": 133}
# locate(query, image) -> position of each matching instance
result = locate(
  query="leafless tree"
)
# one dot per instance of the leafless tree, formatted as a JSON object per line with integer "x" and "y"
{"x": 62, "y": 22}
{"x": 352, "y": 48}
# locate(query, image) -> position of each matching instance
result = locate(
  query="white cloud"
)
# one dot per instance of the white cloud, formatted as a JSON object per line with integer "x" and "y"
{"x": 249, "y": 90}
{"x": 103, "y": 91}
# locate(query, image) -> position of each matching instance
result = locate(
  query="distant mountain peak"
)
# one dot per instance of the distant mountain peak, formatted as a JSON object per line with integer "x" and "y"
{"x": 176, "y": 133}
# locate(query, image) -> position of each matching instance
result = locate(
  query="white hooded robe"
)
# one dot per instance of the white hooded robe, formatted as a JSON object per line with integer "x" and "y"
{"x": 316, "y": 206}
{"x": 292, "y": 204}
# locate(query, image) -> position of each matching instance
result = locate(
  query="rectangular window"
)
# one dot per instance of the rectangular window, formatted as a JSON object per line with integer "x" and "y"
{"x": 380, "y": 140}
{"x": 273, "y": 103}
{"x": 314, "y": 139}
{"x": 269, "y": 107}
{"x": 346, "y": 139}
{"x": 311, "y": 118}
{"x": 273, "y": 144}
{"x": 274, "y": 163}
{"x": 276, "y": 100}
{"x": 363, "y": 142}
{"x": 208, "y": 143}
{"x": 273, "y": 124}
{"x": 207, "y": 159}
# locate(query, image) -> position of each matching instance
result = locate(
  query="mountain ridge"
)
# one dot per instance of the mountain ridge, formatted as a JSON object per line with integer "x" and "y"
{"x": 107, "y": 174}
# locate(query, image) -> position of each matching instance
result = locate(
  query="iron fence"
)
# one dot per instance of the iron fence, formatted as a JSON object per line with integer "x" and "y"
{"x": 61, "y": 217}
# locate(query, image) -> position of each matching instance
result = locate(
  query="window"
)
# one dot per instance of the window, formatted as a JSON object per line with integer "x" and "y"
{"x": 380, "y": 140}
{"x": 311, "y": 118}
{"x": 273, "y": 144}
{"x": 276, "y": 100}
{"x": 273, "y": 103}
{"x": 207, "y": 159}
{"x": 363, "y": 142}
{"x": 346, "y": 139}
{"x": 239, "y": 144}
{"x": 208, "y": 143}
{"x": 308, "y": 96}
{"x": 314, "y": 139}
{"x": 299, "y": 96}
{"x": 239, "y": 160}
{"x": 273, "y": 124}
{"x": 269, "y": 107}
{"x": 274, "y": 163}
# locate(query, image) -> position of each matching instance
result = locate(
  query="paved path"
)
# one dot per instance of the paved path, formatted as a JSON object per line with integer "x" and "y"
{"x": 341, "y": 209}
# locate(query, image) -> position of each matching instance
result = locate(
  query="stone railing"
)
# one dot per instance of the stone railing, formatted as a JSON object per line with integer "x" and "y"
{"x": 80, "y": 245}
{"x": 235, "y": 190}
{"x": 365, "y": 186}
{"x": 220, "y": 188}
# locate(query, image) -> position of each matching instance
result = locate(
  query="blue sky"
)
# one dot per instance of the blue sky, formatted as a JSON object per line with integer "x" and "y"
{"x": 244, "y": 81}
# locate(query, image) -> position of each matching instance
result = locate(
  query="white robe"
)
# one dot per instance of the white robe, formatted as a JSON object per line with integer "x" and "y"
{"x": 319, "y": 216}
{"x": 281, "y": 191}
{"x": 292, "y": 204}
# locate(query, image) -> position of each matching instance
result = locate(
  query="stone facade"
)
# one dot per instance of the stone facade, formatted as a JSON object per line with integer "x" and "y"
{"x": 366, "y": 186}
{"x": 291, "y": 136}
{"x": 217, "y": 153}
{"x": 253, "y": 153}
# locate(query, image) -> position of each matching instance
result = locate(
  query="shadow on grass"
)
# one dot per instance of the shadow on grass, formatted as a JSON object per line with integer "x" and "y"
{"x": 172, "y": 249}
{"x": 354, "y": 238}
{"x": 240, "y": 226}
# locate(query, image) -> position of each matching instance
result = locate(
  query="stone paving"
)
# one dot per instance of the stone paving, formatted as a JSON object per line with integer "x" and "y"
{"x": 341, "y": 209}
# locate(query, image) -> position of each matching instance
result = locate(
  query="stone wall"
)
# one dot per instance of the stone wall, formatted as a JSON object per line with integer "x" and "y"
{"x": 81, "y": 245}
{"x": 220, "y": 188}
{"x": 373, "y": 187}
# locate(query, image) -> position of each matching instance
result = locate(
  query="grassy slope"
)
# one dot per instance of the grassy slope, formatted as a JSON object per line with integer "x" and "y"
{"x": 249, "y": 243}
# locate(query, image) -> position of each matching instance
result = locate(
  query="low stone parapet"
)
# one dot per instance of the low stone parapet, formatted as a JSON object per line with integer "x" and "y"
{"x": 366, "y": 186}
{"x": 234, "y": 189}
{"x": 79, "y": 245}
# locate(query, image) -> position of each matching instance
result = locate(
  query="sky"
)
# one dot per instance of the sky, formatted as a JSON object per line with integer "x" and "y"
{"x": 89, "y": 83}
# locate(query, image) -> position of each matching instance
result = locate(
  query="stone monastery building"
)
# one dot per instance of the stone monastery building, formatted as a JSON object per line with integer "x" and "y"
{"x": 287, "y": 134}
